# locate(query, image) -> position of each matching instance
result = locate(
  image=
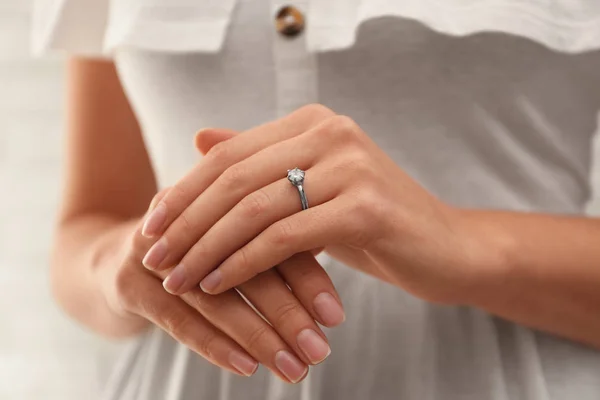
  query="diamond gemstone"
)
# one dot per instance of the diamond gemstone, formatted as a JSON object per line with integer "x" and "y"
{"x": 296, "y": 176}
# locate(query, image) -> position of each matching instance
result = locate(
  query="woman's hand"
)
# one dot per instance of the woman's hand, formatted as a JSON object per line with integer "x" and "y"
{"x": 225, "y": 329}
{"x": 364, "y": 209}
{"x": 97, "y": 273}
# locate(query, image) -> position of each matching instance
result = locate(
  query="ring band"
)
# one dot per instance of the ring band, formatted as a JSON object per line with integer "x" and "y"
{"x": 296, "y": 178}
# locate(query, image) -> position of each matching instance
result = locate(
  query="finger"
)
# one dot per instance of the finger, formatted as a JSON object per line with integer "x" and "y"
{"x": 231, "y": 314}
{"x": 329, "y": 223}
{"x": 188, "y": 327}
{"x": 143, "y": 243}
{"x": 246, "y": 220}
{"x": 205, "y": 139}
{"x": 312, "y": 286}
{"x": 158, "y": 197}
{"x": 223, "y": 156}
{"x": 274, "y": 300}
{"x": 235, "y": 183}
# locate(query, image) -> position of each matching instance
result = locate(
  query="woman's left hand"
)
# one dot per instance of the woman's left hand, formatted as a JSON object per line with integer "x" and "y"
{"x": 364, "y": 210}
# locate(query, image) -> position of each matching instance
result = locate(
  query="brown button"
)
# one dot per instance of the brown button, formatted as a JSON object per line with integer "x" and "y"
{"x": 289, "y": 21}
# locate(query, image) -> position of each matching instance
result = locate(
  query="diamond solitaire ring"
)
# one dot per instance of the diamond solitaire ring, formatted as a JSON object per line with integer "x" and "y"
{"x": 296, "y": 177}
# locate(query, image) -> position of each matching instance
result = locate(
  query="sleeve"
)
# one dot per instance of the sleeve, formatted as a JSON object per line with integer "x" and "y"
{"x": 98, "y": 27}
{"x": 72, "y": 26}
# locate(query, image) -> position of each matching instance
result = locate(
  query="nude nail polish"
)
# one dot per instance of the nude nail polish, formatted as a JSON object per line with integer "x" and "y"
{"x": 329, "y": 309}
{"x": 155, "y": 220}
{"x": 175, "y": 280}
{"x": 314, "y": 347}
{"x": 156, "y": 255}
{"x": 211, "y": 281}
{"x": 243, "y": 363}
{"x": 290, "y": 366}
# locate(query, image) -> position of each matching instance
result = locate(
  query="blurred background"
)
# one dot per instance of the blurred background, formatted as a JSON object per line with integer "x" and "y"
{"x": 43, "y": 355}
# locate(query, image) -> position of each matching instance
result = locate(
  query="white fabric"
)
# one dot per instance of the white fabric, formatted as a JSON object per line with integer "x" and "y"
{"x": 488, "y": 121}
{"x": 98, "y": 27}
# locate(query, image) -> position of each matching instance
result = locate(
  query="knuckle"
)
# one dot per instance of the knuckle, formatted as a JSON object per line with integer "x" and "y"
{"x": 184, "y": 222}
{"x": 365, "y": 210}
{"x": 256, "y": 337}
{"x": 283, "y": 233}
{"x": 255, "y": 204}
{"x": 233, "y": 178}
{"x": 286, "y": 312}
{"x": 317, "y": 111}
{"x": 242, "y": 259}
{"x": 176, "y": 325}
{"x": 219, "y": 153}
{"x": 206, "y": 343}
{"x": 179, "y": 194}
{"x": 147, "y": 307}
{"x": 367, "y": 201}
{"x": 342, "y": 127}
{"x": 354, "y": 159}
{"x": 359, "y": 162}
{"x": 204, "y": 303}
{"x": 311, "y": 276}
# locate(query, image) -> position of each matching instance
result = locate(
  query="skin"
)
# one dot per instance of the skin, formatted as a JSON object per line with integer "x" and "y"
{"x": 538, "y": 270}
{"x": 97, "y": 273}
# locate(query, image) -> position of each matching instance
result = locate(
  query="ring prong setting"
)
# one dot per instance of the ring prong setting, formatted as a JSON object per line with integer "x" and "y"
{"x": 296, "y": 176}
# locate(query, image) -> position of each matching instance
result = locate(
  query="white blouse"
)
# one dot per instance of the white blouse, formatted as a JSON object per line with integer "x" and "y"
{"x": 100, "y": 26}
{"x": 486, "y": 120}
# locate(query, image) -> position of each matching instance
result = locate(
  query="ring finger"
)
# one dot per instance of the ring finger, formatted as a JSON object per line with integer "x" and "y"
{"x": 246, "y": 220}
{"x": 244, "y": 177}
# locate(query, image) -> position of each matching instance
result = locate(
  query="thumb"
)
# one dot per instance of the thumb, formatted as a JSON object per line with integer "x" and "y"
{"x": 206, "y": 138}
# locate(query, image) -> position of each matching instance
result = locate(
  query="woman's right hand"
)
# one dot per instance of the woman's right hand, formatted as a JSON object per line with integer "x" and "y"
{"x": 224, "y": 329}
{"x": 97, "y": 272}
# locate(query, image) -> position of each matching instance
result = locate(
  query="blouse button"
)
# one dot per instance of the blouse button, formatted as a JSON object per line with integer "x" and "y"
{"x": 289, "y": 21}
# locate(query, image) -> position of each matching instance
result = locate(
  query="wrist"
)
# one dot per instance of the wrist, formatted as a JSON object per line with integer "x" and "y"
{"x": 109, "y": 252}
{"x": 85, "y": 255}
{"x": 487, "y": 249}
{"x": 454, "y": 257}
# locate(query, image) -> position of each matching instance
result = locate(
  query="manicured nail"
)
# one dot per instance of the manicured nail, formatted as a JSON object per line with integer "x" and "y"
{"x": 211, "y": 281}
{"x": 175, "y": 280}
{"x": 328, "y": 308}
{"x": 155, "y": 220}
{"x": 314, "y": 347}
{"x": 157, "y": 253}
{"x": 290, "y": 366}
{"x": 243, "y": 363}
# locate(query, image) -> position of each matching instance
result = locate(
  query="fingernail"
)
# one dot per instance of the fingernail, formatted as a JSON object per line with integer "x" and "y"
{"x": 156, "y": 255}
{"x": 243, "y": 363}
{"x": 211, "y": 281}
{"x": 314, "y": 347}
{"x": 155, "y": 220}
{"x": 175, "y": 280}
{"x": 290, "y": 366}
{"x": 328, "y": 308}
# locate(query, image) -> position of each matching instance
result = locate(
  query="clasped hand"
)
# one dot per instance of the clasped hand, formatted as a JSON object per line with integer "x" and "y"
{"x": 235, "y": 222}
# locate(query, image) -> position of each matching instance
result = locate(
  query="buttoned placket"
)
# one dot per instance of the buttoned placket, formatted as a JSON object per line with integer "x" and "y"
{"x": 295, "y": 67}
